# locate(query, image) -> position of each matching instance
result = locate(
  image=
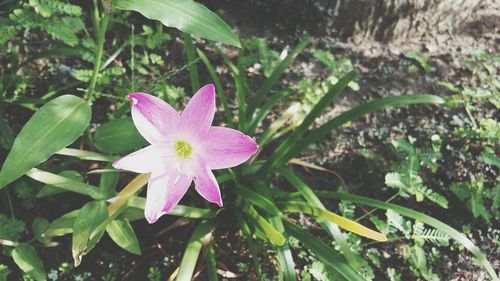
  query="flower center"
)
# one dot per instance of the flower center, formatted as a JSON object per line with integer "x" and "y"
{"x": 183, "y": 149}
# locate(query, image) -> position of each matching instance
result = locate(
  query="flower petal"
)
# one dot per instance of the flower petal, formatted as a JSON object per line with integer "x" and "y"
{"x": 199, "y": 112}
{"x": 206, "y": 184}
{"x": 146, "y": 160}
{"x": 225, "y": 147}
{"x": 164, "y": 192}
{"x": 153, "y": 117}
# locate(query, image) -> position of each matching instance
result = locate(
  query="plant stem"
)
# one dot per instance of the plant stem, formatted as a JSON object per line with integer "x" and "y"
{"x": 101, "y": 24}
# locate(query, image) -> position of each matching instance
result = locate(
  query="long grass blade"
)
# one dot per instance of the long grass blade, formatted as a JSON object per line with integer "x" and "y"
{"x": 262, "y": 113}
{"x": 258, "y": 200}
{"x": 218, "y": 87}
{"x": 332, "y": 229}
{"x": 323, "y": 252}
{"x": 325, "y": 129}
{"x": 437, "y": 224}
{"x": 277, "y": 158}
{"x": 275, "y": 76}
{"x": 284, "y": 252}
{"x": 247, "y": 233}
{"x": 349, "y": 225}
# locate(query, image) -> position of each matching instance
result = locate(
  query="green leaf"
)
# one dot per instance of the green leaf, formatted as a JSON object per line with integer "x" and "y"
{"x": 4, "y": 272}
{"x": 275, "y": 76}
{"x": 40, "y": 225}
{"x": 54, "y": 126}
{"x": 277, "y": 158}
{"x": 123, "y": 234}
{"x": 488, "y": 156}
{"x": 178, "y": 210}
{"x": 108, "y": 183}
{"x": 218, "y": 87}
{"x": 62, "y": 225}
{"x": 211, "y": 263}
{"x": 247, "y": 233}
{"x": 258, "y": 200}
{"x": 118, "y": 136}
{"x": 49, "y": 190}
{"x": 65, "y": 183}
{"x": 352, "y": 114}
{"x": 191, "y": 60}
{"x": 394, "y": 180}
{"x": 272, "y": 234}
{"x": 185, "y": 15}
{"x": 352, "y": 226}
{"x": 28, "y": 261}
{"x": 86, "y": 155}
{"x": 201, "y": 236}
{"x": 437, "y": 224}
{"x": 89, "y": 218}
{"x": 332, "y": 229}
{"x": 323, "y": 252}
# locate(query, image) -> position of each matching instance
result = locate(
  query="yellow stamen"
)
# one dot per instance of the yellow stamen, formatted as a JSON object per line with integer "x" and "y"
{"x": 183, "y": 149}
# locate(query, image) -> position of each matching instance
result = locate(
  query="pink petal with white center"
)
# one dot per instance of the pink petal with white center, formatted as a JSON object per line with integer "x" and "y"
{"x": 199, "y": 112}
{"x": 206, "y": 184}
{"x": 164, "y": 193}
{"x": 226, "y": 148}
{"x": 147, "y": 160}
{"x": 153, "y": 117}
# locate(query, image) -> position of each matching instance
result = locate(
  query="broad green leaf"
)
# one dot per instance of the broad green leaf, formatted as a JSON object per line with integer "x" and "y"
{"x": 40, "y": 225}
{"x": 185, "y": 15}
{"x": 54, "y": 126}
{"x": 108, "y": 183}
{"x": 49, "y": 190}
{"x": 62, "y": 225}
{"x": 201, "y": 236}
{"x": 89, "y": 218}
{"x": 28, "y": 261}
{"x": 123, "y": 234}
{"x": 118, "y": 136}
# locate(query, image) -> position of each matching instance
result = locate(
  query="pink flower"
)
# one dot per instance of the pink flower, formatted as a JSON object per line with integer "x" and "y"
{"x": 184, "y": 147}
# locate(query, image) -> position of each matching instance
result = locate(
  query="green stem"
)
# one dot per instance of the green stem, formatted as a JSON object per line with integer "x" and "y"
{"x": 191, "y": 58}
{"x": 101, "y": 25}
